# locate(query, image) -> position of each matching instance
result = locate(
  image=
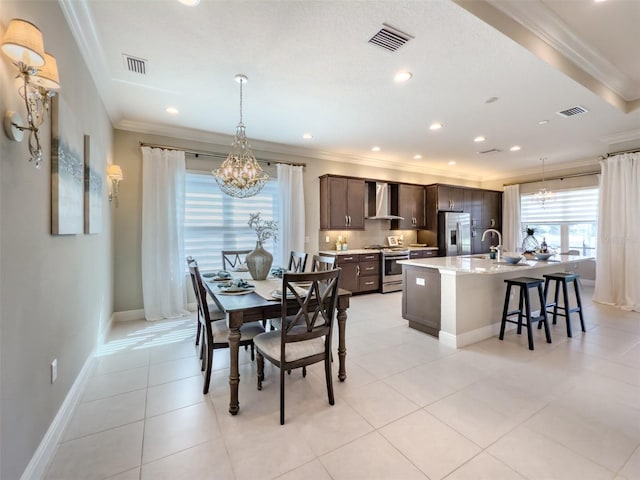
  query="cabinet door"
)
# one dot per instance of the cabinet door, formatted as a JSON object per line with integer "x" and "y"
{"x": 419, "y": 206}
{"x": 492, "y": 209}
{"x": 355, "y": 203}
{"x": 349, "y": 275}
{"x": 444, "y": 202}
{"x": 405, "y": 207}
{"x": 337, "y": 202}
{"x": 456, "y": 196}
{"x": 431, "y": 208}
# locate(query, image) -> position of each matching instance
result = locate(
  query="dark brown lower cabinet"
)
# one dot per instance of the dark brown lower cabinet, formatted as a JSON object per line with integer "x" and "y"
{"x": 421, "y": 298}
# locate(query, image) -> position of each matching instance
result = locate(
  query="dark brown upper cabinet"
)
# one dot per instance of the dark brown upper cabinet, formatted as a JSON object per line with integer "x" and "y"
{"x": 341, "y": 203}
{"x": 408, "y": 201}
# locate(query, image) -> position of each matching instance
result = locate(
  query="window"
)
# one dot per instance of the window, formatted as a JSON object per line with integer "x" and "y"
{"x": 214, "y": 221}
{"x": 568, "y": 222}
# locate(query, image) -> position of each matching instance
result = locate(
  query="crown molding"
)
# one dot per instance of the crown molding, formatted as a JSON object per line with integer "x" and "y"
{"x": 620, "y": 137}
{"x": 278, "y": 151}
{"x": 539, "y": 30}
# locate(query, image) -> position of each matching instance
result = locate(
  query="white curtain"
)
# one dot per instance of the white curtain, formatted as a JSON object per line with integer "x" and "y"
{"x": 163, "y": 278}
{"x": 618, "y": 254}
{"x": 291, "y": 228}
{"x": 511, "y": 224}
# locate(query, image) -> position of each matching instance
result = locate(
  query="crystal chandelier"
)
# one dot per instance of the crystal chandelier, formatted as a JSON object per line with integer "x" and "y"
{"x": 543, "y": 196}
{"x": 240, "y": 175}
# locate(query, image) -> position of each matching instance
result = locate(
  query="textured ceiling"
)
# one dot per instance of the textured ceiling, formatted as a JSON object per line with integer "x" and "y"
{"x": 311, "y": 69}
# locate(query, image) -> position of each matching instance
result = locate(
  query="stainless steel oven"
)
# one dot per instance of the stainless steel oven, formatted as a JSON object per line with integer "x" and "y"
{"x": 392, "y": 270}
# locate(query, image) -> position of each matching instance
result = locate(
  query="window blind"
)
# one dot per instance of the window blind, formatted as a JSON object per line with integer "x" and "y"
{"x": 215, "y": 221}
{"x": 567, "y": 206}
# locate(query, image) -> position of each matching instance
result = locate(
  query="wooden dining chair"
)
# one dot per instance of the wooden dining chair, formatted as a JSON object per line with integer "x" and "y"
{"x": 216, "y": 332}
{"x": 305, "y": 337}
{"x": 233, "y": 258}
{"x": 320, "y": 263}
{"x": 214, "y": 311}
{"x": 297, "y": 261}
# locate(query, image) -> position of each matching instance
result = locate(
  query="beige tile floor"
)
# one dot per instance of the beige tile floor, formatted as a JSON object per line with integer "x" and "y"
{"x": 410, "y": 408}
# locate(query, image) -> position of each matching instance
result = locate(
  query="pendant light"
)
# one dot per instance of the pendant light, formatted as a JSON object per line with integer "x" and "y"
{"x": 240, "y": 175}
{"x": 543, "y": 196}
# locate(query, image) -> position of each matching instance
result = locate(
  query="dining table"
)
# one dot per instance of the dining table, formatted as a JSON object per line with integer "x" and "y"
{"x": 259, "y": 304}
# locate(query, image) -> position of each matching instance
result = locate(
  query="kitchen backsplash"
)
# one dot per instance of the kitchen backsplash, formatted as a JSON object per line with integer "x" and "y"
{"x": 375, "y": 233}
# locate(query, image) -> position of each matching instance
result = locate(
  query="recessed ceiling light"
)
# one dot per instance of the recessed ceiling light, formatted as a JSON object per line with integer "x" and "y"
{"x": 599, "y": 1}
{"x": 375, "y": 149}
{"x": 172, "y": 110}
{"x": 452, "y": 162}
{"x": 417, "y": 157}
{"x": 190, "y": 3}
{"x": 435, "y": 126}
{"x": 515, "y": 148}
{"x": 479, "y": 139}
{"x": 491, "y": 100}
{"x": 307, "y": 136}
{"x": 402, "y": 76}
{"x": 543, "y": 122}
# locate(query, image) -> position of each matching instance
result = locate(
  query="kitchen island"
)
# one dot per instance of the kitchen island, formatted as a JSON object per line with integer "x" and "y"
{"x": 460, "y": 299}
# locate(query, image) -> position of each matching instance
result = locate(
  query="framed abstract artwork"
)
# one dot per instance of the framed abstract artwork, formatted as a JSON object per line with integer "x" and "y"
{"x": 67, "y": 170}
{"x": 93, "y": 186}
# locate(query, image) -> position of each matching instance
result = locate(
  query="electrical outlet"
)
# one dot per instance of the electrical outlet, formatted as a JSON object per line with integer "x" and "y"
{"x": 54, "y": 370}
{"x": 326, "y": 239}
{"x": 420, "y": 281}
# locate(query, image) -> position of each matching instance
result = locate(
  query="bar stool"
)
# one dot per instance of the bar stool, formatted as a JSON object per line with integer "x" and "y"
{"x": 563, "y": 278}
{"x": 525, "y": 283}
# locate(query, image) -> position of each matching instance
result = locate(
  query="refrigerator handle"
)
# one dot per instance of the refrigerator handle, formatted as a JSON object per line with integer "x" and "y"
{"x": 459, "y": 238}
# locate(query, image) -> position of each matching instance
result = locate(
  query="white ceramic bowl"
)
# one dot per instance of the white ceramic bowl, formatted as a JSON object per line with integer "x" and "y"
{"x": 542, "y": 256}
{"x": 511, "y": 259}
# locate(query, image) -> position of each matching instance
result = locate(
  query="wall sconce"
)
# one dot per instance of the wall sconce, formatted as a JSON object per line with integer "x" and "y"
{"x": 114, "y": 172}
{"x": 39, "y": 71}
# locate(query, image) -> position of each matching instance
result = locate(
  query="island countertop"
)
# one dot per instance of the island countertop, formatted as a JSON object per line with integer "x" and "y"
{"x": 480, "y": 264}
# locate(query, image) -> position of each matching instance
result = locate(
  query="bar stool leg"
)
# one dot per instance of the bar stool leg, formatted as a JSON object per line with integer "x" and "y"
{"x": 528, "y": 308}
{"x": 543, "y": 312}
{"x": 579, "y": 302}
{"x": 520, "y": 309}
{"x": 505, "y": 310}
{"x": 567, "y": 307}
{"x": 555, "y": 299}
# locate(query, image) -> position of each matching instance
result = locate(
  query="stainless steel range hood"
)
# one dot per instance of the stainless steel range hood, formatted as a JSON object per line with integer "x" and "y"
{"x": 377, "y": 202}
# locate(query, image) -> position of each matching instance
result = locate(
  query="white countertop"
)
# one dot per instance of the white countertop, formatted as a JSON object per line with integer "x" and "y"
{"x": 471, "y": 264}
{"x": 356, "y": 251}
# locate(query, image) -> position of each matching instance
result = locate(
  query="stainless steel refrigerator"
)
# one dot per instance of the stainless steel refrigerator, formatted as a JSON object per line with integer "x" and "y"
{"x": 454, "y": 233}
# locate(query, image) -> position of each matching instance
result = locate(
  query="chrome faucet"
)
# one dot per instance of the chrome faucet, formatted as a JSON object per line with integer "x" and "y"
{"x": 499, "y": 246}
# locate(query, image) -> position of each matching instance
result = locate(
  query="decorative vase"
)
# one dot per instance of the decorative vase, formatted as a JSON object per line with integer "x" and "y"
{"x": 530, "y": 243}
{"x": 259, "y": 262}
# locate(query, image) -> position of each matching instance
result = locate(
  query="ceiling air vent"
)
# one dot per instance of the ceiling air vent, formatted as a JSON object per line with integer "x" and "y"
{"x": 135, "y": 65}
{"x": 570, "y": 112}
{"x": 491, "y": 150}
{"x": 390, "y": 38}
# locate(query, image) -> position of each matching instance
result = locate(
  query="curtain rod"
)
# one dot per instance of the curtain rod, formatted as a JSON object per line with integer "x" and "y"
{"x": 204, "y": 153}
{"x": 562, "y": 177}
{"x": 632, "y": 150}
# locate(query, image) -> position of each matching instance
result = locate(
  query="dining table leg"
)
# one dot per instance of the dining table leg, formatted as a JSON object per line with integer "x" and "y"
{"x": 234, "y": 372}
{"x": 343, "y": 304}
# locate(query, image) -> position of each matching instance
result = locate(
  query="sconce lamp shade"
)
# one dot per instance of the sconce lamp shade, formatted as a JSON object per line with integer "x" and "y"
{"x": 47, "y": 76}
{"x": 23, "y": 43}
{"x": 114, "y": 172}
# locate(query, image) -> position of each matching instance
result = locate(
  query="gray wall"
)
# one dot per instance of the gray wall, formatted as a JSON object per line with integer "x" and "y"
{"x": 127, "y": 218}
{"x": 55, "y": 291}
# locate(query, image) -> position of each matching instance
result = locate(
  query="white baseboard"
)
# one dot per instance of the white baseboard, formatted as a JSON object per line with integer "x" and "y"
{"x": 37, "y": 467}
{"x": 473, "y": 336}
{"x": 128, "y": 315}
